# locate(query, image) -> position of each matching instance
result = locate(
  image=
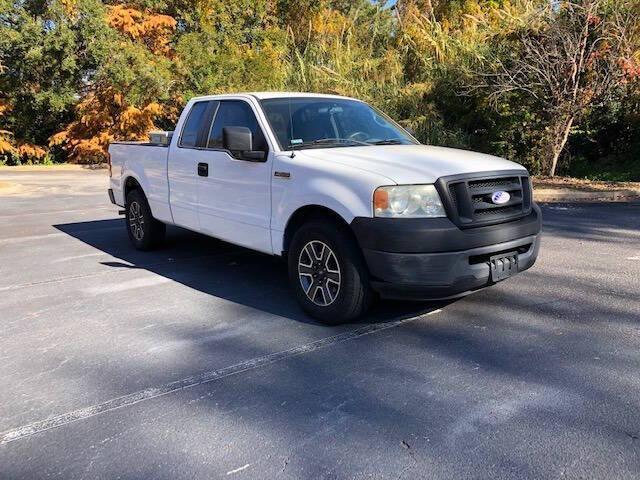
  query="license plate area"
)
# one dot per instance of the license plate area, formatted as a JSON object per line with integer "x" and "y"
{"x": 503, "y": 266}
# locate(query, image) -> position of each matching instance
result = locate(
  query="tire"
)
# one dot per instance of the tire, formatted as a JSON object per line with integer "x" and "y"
{"x": 319, "y": 295}
{"x": 145, "y": 232}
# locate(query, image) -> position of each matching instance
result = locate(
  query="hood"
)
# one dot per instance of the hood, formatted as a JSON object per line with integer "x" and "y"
{"x": 412, "y": 164}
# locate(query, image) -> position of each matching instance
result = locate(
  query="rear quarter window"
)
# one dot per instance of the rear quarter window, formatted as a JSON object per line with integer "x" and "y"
{"x": 189, "y": 137}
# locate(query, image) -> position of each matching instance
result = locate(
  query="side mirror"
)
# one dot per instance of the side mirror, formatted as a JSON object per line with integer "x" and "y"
{"x": 237, "y": 139}
{"x": 411, "y": 131}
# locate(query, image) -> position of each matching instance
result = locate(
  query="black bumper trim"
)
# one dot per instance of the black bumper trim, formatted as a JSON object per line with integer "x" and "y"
{"x": 439, "y": 276}
{"x": 111, "y": 197}
{"x": 434, "y": 235}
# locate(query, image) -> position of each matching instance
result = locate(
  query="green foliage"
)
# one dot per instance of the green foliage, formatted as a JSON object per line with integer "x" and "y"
{"x": 235, "y": 46}
{"x": 76, "y": 74}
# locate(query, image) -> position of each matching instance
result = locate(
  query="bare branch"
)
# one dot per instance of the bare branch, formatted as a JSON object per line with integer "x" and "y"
{"x": 568, "y": 66}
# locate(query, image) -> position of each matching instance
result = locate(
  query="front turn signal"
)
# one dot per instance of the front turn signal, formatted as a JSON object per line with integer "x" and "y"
{"x": 380, "y": 199}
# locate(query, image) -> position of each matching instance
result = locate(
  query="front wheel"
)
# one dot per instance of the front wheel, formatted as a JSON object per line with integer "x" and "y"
{"x": 145, "y": 232}
{"x": 328, "y": 274}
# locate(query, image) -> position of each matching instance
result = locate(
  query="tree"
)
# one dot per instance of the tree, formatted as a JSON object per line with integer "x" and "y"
{"x": 441, "y": 42}
{"x": 524, "y": 79}
{"x": 49, "y": 50}
{"x": 129, "y": 90}
{"x": 348, "y": 52}
{"x": 580, "y": 55}
{"x": 231, "y": 46}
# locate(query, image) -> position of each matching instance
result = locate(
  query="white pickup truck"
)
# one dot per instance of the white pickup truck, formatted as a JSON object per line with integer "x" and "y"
{"x": 350, "y": 199}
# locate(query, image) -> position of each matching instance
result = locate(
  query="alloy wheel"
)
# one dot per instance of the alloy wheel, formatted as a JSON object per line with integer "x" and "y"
{"x": 319, "y": 273}
{"x": 136, "y": 220}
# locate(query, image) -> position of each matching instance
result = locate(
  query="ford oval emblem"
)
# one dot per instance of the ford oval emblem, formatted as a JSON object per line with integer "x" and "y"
{"x": 500, "y": 198}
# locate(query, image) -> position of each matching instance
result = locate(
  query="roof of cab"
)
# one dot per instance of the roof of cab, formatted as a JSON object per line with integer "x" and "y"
{"x": 266, "y": 95}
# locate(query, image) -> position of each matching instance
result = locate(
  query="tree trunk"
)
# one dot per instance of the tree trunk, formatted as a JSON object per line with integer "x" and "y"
{"x": 560, "y": 142}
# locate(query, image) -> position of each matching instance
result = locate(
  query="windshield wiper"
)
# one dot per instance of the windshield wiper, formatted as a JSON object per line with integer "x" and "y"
{"x": 330, "y": 141}
{"x": 341, "y": 140}
{"x": 388, "y": 141}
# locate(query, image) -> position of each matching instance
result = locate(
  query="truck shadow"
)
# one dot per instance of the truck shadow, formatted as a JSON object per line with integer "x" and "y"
{"x": 220, "y": 269}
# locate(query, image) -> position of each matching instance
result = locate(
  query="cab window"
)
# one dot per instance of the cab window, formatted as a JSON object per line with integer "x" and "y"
{"x": 235, "y": 113}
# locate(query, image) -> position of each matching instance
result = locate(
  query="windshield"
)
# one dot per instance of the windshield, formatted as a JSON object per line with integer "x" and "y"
{"x": 305, "y": 122}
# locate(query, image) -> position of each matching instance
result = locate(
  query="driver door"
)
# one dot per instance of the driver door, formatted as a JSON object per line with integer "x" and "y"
{"x": 234, "y": 197}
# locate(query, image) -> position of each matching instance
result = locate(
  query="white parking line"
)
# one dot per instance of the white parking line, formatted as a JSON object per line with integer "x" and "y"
{"x": 57, "y": 212}
{"x": 27, "y": 238}
{"x": 195, "y": 380}
{"x": 77, "y": 257}
{"x": 114, "y": 271}
{"x": 244, "y": 467}
{"x": 123, "y": 286}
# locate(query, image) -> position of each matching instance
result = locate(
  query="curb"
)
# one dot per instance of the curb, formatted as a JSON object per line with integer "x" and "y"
{"x": 61, "y": 167}
{"x": 566, "y": 195}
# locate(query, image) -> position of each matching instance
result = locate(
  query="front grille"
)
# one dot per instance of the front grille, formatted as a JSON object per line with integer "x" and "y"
{"x": 468, "y": 198}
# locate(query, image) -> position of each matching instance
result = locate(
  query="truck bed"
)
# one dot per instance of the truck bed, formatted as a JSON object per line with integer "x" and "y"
{"x": 147, "y": 163}
{"x": 140, "y": 144}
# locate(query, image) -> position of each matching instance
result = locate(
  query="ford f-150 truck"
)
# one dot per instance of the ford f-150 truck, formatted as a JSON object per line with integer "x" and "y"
{"x": 352, "y": 201}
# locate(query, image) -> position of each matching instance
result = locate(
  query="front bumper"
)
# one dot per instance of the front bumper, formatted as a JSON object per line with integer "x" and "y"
{"x": 432, "y": 259}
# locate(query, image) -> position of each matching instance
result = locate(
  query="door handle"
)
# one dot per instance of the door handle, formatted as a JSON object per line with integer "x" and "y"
{"x": 203, "y": 169}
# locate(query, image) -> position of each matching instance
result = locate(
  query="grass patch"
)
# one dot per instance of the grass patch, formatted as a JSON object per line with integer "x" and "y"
{"x": 607, "y": 169}
{"x": 582, "y": 184}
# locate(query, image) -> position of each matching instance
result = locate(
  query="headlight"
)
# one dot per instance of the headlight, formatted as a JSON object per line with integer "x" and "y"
{"x": 408, "y": 201}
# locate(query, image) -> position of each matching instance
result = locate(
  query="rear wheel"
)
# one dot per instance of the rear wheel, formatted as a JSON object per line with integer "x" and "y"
{"x": 145, "y": 232}
{"x": 327, "y": 273}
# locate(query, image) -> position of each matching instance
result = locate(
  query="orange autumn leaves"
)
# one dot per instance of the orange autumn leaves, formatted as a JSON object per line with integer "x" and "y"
{"x": 9, "y": 146}
{"x": 104, "y": 116}
{"x": 104, "y": 113}
{"x": 153, "y": 30}
{"x": 6, "y": 146}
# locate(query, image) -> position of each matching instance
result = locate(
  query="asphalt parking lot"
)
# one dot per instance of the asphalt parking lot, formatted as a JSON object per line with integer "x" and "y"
{"x": 195, "y": 361}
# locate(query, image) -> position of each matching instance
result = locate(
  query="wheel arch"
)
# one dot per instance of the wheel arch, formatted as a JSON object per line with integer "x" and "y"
{"x": 309, "y": 213}
{"x": 131, "y": 183}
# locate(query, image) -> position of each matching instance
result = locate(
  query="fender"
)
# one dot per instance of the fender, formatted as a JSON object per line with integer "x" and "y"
{"x": 157, "y": 197}
{"x": 325, "y": 192}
